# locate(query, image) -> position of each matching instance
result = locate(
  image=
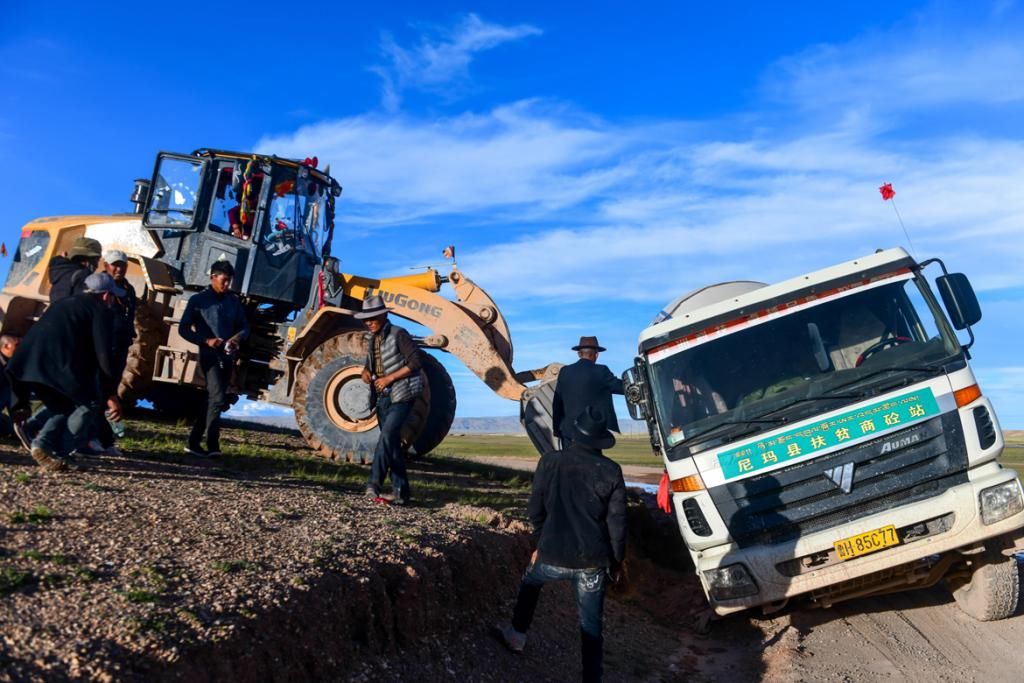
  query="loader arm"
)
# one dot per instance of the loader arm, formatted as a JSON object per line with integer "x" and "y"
{"x": 472, "y": 328}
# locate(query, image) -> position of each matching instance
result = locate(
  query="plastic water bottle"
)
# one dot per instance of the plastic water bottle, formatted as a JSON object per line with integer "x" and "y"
{"x": 119, "y": 428}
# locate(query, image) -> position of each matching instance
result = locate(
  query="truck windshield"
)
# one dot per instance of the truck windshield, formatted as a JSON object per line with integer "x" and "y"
{"x": 816, "y": 357}
{"x": 297, "y": 214}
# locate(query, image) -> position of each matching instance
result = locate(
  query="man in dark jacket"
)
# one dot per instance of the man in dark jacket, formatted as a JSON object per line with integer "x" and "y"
{"x": 582, "y": 384}
{"x": 393, "y": 371}
{"x": 578, "y": 511}
{"x": 214, "y": 320}
{"x": 124, "y": 313}
{"x": 60, "y": 359}
{"x": 67, "y": 275}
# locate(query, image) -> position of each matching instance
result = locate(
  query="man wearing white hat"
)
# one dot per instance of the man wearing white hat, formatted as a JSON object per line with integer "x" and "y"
{"x": 116, "y": 265}
{"x": 393, "y": 371}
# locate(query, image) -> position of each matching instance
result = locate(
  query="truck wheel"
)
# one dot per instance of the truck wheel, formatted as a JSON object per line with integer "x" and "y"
{"x": 332, "y": 404}
{"x": 992, "y": 589}
{"x": 441, "y": 410}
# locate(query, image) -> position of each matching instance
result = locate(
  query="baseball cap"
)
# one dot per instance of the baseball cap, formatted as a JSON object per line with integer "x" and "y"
{"x": 101, "y": 283}
{"x": 115, "y": 256}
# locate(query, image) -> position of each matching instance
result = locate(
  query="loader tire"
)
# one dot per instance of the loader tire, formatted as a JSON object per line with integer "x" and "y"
{"x": 138, "y": 371}
{"x": 992, "y": 591}
{"x": 332, "y": 404}
{"x": 537, "y": 415}
{"x": 441, "y": 412}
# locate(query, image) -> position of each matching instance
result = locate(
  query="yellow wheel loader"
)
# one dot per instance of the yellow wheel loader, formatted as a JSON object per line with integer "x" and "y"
{"x": 273, "y": 220}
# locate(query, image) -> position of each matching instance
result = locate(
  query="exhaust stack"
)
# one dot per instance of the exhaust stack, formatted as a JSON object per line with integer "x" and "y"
{"x": 140, "y": 195}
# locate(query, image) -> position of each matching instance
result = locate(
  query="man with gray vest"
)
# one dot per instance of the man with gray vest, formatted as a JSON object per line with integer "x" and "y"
{"x": 393, "y": 372}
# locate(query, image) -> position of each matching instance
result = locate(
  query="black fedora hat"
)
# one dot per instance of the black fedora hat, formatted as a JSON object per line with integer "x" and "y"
{"x": 591, "y": 429}
{"x": 588, "y": 343}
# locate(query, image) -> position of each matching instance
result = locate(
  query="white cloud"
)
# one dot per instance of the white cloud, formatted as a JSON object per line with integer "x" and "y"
{"x": 438, "y": 61}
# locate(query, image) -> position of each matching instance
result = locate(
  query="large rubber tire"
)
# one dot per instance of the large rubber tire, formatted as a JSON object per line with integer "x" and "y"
{"x": 993, "y": 589}
{"x": 332, "y": 404}
{"x": 138, "y": 371}
{"x": 441, "y": 412}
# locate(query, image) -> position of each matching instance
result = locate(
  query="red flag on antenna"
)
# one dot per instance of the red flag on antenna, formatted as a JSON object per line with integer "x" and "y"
{"x": 449, "y": 251}
{"x": 3, "y": 249}
{"x": 887, "y": 192}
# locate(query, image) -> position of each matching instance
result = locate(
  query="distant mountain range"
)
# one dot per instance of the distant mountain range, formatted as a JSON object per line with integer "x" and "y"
{"x": 462, "y": 425}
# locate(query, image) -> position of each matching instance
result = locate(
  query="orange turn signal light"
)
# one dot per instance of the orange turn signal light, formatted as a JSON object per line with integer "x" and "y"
{"x": 967, "y": 395}
{"x": 687, "y": 484}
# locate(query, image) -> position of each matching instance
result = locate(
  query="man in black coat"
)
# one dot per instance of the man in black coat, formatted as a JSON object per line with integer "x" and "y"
{"x": 214, "y": 320}
{"x": 67, "y": 275}
{"x": 60, "y": 360}
{"x": 582, "y": 384}
{"x": 578, "y": 511}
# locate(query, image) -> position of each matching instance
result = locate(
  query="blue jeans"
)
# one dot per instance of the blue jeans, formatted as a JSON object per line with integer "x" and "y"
{"x": 590, "y": 586}
{"x": 389, "y": 456}
{"x": 64, "y": 423}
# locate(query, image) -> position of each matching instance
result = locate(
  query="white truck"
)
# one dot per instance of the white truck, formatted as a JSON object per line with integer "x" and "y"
{"x": 825, "y": 437}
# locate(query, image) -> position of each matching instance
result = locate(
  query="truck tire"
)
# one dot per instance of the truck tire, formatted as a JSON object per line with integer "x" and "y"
{"x": 441, "y": 410}
{"x": 993, "y": 588}
{"x": 138, "y": 371}
{"x": 331, "y": 402}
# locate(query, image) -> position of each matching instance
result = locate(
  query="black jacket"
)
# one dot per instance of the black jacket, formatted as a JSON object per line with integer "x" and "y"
{"x": 584, "y": 383}
{"x": 578, "y": 509}
{"x": 67, "y": 278}
{"x": 208, "y": 315}
{"x": 68, "y": 349}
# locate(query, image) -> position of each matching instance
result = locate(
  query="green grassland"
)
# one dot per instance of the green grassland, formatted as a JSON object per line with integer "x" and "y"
{"x": 628, "y": 450}
{"x": 1013, "y": 455}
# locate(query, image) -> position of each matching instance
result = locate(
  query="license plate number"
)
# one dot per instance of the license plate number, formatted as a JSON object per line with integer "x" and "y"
{"x": 865, "y": 543}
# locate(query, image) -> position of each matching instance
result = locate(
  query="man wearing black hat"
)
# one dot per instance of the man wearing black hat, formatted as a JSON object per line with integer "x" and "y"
{"x": 582, "y": 384}
{"x": 65, "y": 360}
{"x": 393, "y": 370}
{"x": 67, "y": 275}
{"x": 578, "y": 511}
{"x": 215, "y": 321}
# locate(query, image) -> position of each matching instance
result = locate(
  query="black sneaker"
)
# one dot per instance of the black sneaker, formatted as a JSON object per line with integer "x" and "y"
{"x": 196, "y": 451}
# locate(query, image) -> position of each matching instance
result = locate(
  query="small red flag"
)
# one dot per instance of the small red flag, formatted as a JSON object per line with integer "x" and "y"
{"x": 3, "y": 249}
{"x": 449, "y": 251}
{"x": 887, "y": 192}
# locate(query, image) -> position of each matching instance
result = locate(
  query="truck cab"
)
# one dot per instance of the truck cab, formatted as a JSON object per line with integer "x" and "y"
{"x": 826, "y": 438}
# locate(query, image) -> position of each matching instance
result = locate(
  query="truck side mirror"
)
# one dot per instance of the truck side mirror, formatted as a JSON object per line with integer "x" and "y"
{"x": 636, "y": 396}
{"x": 959, "y": 299}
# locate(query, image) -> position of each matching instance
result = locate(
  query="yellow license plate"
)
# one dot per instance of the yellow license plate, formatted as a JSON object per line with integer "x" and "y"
{"x": 865, "y": 543}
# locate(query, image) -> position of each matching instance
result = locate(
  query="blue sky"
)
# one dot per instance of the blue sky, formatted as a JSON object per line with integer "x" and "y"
{"x": 589, "y": 163}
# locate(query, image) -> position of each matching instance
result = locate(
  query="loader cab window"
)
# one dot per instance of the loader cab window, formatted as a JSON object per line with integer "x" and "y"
{"x": 228, "y": 213}
{"x": 175, "y": 193}
{"x": 296, "y": 214}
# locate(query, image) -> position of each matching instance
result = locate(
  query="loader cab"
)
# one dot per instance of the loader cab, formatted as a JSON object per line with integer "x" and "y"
{"x": 271, "y": 218}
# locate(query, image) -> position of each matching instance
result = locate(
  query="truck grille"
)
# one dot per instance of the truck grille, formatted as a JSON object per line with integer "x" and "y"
{"x": 902, "y": 467}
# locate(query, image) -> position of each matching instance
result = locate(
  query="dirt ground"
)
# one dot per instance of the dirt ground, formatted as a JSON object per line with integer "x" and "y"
{"x": 268, "y": 566}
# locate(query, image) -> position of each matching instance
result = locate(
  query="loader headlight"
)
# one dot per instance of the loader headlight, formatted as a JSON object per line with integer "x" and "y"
{"x": 999, "y": 502}
{"x": 728, "y": 583}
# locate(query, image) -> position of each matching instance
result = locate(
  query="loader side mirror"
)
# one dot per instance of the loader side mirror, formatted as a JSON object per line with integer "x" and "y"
{"x": 959, "y": 299}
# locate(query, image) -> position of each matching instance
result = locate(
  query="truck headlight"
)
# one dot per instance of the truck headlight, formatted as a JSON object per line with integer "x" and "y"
{"x": 728, "y": 583}
{"x": 999, "y": 502}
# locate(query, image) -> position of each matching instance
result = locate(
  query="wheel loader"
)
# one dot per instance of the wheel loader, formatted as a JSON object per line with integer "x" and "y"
{"x": 273, "y": 219}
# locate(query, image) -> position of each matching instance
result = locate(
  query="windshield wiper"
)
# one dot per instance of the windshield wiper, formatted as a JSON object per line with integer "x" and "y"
{"x": 188, "y": 211}
{"x": 720, "y": 427}
{"x": 931, "y": 368}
